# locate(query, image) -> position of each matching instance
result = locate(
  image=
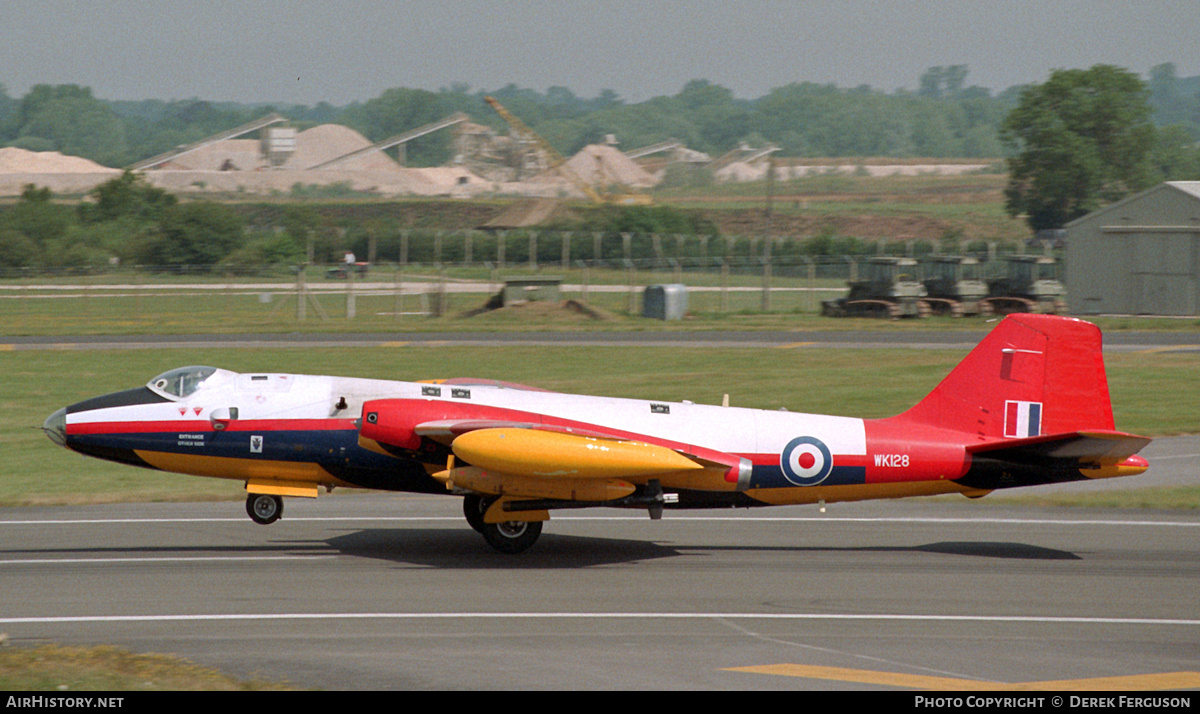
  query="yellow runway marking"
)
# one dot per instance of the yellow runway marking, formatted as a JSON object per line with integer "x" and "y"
{"x": 864, "y": 676}
{"x": 790, "y": 345}
{"x": 394, "y": 344}
{"x": 1144, "y": 682}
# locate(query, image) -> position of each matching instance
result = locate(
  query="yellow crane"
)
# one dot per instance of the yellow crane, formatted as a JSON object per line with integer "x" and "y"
{"x": 557, "y": 162}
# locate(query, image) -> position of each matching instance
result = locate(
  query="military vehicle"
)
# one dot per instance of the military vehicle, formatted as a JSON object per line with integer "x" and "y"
{"x": 955, "y": 285}
{"x": 888, "y": 287}
{"x": 1031, "y": 284}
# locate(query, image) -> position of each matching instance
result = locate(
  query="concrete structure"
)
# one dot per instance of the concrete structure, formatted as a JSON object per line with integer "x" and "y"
{"x": 1138, "y": 256}
{"x": 531, "y": 289}
{"x": 665, "y": 302}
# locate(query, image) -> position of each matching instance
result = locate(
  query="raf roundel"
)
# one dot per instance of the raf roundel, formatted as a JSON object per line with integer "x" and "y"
{"x": 806, "y": 461}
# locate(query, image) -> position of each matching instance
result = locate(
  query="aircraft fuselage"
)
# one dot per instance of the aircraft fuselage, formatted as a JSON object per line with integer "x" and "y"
{"x": 1029, "y": 405}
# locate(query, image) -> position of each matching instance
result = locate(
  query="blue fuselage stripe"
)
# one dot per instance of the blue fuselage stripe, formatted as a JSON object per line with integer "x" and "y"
{"x": 771, "y": 476}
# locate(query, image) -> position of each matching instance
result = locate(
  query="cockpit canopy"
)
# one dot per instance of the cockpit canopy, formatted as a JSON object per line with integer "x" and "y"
{"x": 182, "y": 382}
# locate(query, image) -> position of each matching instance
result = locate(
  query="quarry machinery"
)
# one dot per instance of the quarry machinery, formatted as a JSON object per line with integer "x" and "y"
{"x": 557, "y": 162}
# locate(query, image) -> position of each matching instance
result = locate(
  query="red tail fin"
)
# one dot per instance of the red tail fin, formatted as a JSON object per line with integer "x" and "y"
{"x": 1032, "y": 375}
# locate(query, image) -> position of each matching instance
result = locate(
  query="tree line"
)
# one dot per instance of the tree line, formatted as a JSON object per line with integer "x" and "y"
{"x": 1079, "y": 140}
{"x": 943, "y": 117}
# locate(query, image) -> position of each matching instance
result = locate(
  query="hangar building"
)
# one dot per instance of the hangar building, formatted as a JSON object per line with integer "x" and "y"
{"x": 1139, "y": 256}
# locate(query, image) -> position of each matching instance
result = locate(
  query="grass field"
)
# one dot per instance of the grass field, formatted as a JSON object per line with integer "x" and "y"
{"x": 91, "y": 305}
{"x": 866, "y": 383}
{"x": 51, "y": 668}
{"x": 240, "y": 307}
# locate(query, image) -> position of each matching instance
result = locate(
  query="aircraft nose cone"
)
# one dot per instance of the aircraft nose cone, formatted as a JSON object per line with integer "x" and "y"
{"x": 55, "y": 427}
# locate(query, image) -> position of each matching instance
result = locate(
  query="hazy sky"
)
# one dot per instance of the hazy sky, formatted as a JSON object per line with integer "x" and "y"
{"x": 306, "y": 51}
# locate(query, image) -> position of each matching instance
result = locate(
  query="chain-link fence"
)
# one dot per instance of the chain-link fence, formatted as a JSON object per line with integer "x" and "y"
{"x": 457, "y": 274}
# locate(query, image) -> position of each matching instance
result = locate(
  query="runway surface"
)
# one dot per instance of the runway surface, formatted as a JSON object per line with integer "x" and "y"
{"x": 394, "y": 591}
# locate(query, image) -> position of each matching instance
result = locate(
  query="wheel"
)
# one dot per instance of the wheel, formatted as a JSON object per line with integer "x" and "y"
{"x": 264, "y": 509}
{"x": 511, "y": 536}
{"x": 473, "y": 508}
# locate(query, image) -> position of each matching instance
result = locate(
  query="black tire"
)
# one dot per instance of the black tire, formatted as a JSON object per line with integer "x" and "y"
{"x": 473, "y": 508}
{"x": 264, "y": 509}
{"x": 511, "y": 536}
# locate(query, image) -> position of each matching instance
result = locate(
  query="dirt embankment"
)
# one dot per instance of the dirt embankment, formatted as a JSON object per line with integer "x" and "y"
{"x": 467, "y": 215}
{"x": 867, "y": 227}
{"x": 419, "y": 214}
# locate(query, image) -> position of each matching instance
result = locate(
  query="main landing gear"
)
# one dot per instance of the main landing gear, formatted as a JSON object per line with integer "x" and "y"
{"x": 508, "y": 537}
{"x": 264, "y": 509}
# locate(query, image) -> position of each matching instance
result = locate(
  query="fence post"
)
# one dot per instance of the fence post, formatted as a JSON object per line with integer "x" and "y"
{"x": 137, "y": 291}
{"x": 399, "y": 291}
{"x": 631, "y": 305}
{"x": 812, "y": 280}
{"x": 440, "y": 301}
{"x": 351, "y": 307}
{"x": 724, "y": 285}
{"x": 301, "y": 294}
{"x": 766, "y": 278}
{"x": 587, "y": 276}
